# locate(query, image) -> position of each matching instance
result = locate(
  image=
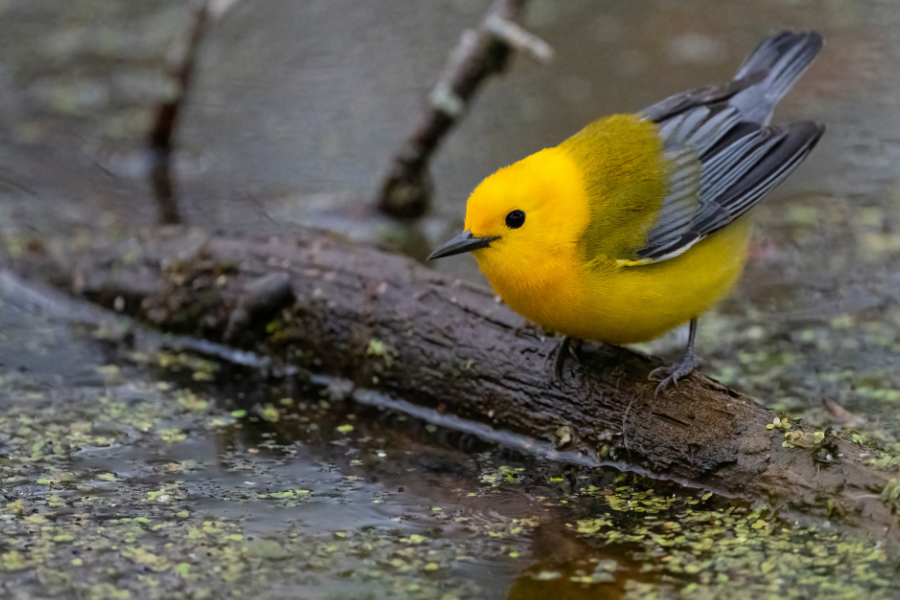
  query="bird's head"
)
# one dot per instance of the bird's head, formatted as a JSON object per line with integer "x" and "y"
{"x": 524, "y": 215}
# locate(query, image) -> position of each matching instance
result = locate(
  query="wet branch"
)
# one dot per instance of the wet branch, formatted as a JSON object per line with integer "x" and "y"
{"x": 180, "y": 65}
{"x": 406, "y": 191}
{"x": 415, "y": 340}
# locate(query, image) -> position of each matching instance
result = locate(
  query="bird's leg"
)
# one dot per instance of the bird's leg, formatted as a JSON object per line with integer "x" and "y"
{"x": 558, "y": 356}
{"x": 678, "y": 370}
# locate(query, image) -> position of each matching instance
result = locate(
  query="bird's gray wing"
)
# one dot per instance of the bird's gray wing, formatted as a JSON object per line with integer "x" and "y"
{"x": 724, "y": 156}
{"x": 720, "y": 168}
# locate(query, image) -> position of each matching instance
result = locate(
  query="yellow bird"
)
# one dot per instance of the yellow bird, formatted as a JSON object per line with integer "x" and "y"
{"x": 638, "y": 223}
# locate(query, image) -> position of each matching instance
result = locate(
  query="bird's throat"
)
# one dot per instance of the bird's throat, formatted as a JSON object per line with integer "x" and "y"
{"x": 539, "y": 290}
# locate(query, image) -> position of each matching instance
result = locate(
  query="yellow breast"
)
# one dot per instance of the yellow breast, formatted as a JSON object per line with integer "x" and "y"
{"x": 623, "y": 305}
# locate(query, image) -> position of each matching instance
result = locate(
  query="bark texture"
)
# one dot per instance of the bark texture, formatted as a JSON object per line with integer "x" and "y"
{"x": 391, "y": 325}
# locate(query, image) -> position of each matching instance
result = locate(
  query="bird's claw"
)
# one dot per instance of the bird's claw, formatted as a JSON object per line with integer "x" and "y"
{"x": 670, "y": 375}
{"x": 558, "y": 356}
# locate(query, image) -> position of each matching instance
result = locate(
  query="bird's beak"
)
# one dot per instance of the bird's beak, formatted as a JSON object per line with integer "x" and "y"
{"x": 464, "y": 242}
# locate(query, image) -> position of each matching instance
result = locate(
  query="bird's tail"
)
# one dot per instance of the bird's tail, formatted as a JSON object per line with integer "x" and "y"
{"x": 777, "y": 63}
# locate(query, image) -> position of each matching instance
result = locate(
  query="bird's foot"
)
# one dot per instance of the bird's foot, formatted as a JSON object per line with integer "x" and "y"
{"x": 671, "y": 374}
{"x": 558, "y": 356}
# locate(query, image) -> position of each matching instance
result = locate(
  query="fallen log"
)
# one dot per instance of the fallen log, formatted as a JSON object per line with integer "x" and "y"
{"x": 428, "y": 342}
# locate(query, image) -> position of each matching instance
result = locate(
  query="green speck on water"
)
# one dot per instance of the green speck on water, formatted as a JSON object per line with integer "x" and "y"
{"x": 509, "y": 474}
{"x": 108, "y": 370}
{"x": 842, "y": 322}
{"x": 593, "y": 525}
{"x": 270, "y": 413}
{"x": 345, "y": 428}
{"x": 735, "y": 551}
{"x": 159, "y": 496}
{"x": 375, "y": 348}
{"x": 891, "y": 490}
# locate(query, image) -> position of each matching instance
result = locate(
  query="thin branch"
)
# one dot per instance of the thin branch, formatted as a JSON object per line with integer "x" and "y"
{"x": 407, "y": 190}
{"x": 180, "y": 65}
{"x": 520, "y": 39}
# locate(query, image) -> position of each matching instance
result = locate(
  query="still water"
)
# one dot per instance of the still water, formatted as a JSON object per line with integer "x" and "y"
{"x": 129, "y": 470}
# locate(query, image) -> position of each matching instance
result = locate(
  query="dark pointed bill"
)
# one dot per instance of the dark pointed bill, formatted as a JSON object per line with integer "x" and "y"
{"x": 464, "y": 242}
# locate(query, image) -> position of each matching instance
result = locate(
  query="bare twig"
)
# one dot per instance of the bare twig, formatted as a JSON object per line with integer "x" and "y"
{"x": 180, "y": 65}
{"x": 519, "y": 38}
{"x": 406, "y": 191}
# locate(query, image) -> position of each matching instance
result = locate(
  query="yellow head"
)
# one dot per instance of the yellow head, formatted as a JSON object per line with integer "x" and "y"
{"x": 524, "y": 222}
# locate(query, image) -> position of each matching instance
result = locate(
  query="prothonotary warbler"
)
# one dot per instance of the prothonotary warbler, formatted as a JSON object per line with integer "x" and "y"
{"x": 638, "y": 223}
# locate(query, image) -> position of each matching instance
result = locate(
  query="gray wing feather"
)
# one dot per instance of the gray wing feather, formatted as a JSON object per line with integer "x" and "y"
{"x": 682, "y": 202}
{"x": 724, "y": 157}
{"x": 787, "y": 148}
{"x": 731, "y": 179}
{"x": 783, "y": 57}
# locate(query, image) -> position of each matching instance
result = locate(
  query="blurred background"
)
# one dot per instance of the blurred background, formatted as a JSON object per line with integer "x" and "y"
{"x": 292, "y": 118}
{"x": 297, "y": 107}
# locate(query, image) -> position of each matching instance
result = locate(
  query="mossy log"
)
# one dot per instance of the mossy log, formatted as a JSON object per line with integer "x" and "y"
{"x": 392, "y": 326}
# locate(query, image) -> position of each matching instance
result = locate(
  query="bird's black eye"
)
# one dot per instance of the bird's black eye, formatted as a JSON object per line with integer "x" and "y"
{"x": 515, "y": 219}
